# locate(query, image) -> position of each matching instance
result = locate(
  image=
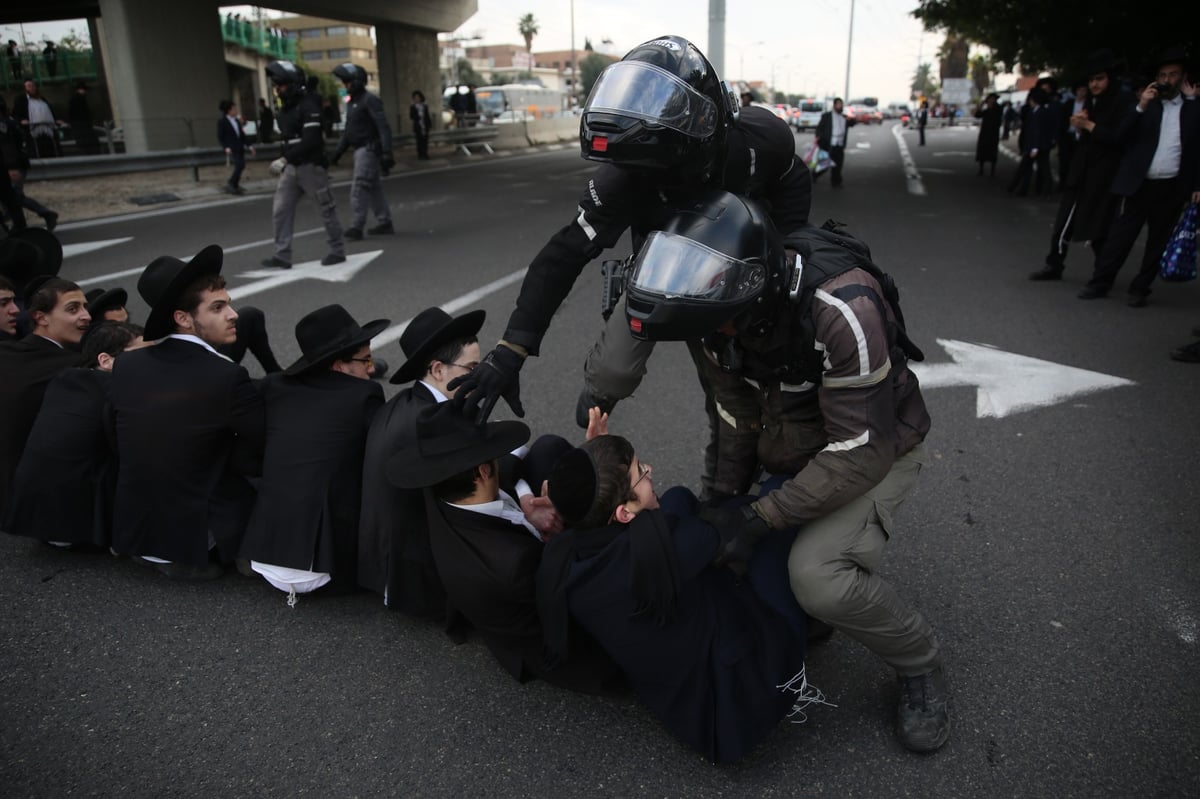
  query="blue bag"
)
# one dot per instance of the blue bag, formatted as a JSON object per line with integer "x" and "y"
{"x": 1179, "y": 258}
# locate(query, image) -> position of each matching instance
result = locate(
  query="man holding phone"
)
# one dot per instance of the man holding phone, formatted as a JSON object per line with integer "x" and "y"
{"x": 1156, "y": 177}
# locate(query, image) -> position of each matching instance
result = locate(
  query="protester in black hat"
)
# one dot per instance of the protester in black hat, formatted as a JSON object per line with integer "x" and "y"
{"x": 987, "y": 146}
{"x": 189, "y": 426}
{"x": 303, "y": 532}
{"x": 59, "y": 314}
{"x": 1157, "y": 175}
{"x": 485, "y": 551}
{"x": 1087, "y": 206}
{"x": 394, "y": 557}
{"x": 1037, "y": 139}
{"x": 708, "y": 656}
{"x": 107, "y": 305}
{"x": 64, "y": 484}
{"x": 23, "y": 254}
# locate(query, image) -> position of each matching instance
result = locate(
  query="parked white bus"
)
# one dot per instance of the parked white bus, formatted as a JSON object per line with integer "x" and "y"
{"x": 515, "y": 102}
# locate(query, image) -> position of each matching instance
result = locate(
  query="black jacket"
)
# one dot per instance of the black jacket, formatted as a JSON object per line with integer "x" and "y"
{"x": 366, "y": 124}
{"x": 189, "y": 426}
{"x": 825, "y": 130}
{"x": 761, "y": 163}
{"x": 230, "y": 138}
{"x": 27, "y": 366}
{"x": 65, "y": 481}
{"x": 1139, "y": 132}
{"x": 307, "y": 510}
{"x": 300, "y": 126}
{"x": 1095, "y": 163}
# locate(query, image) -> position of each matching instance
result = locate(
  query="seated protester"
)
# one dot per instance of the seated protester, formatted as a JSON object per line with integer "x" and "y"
{"x": 189, "y": 426}
{"x": 304, "y": 529}
{"x": 109, "y": 305}
{"x": 64, "y": 485}
{"x": 485, "y": 550}
{"x": 9, "y": 310}
{"x": 60, "y": 318}
{"x": 24, "y": 254}
{"x": 703, "y": 652}
{"x": 394, "y": 557}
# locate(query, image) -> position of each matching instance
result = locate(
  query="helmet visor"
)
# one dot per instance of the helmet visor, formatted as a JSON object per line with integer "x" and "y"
{"x": 676, "y": 267}
{"x": 649, "y": 93}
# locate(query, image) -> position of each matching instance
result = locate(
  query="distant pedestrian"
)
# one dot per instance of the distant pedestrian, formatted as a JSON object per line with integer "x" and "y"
{"x": 1036, "y": 140}
{"x": 366, "y": 131}
{"x": 987, "y": 146}
{"x": 232, "y": 137}
{"x": 79, "y": 117}
{"x": 418, "y": 112}
{"x": 831, "y": 137}
{"x": 12, "y": 147}
{"x": 12, "y": 54}
{"x": 37, "y": 121}
{"x": 1010, "y": 120}
{"x": 50, "y": 56}
{"x": 923, "y": 120}
{"x": 266, "y": 122}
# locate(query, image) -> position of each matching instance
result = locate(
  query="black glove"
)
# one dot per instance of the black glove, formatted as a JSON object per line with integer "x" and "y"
{"x": 740, "y": 530}
{"x": 386, "y": 162}
{"x": 498, "y": 375}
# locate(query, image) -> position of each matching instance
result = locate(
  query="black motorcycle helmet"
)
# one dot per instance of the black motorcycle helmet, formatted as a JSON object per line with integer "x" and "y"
{"x": 287, "y": 78}
{"x": 661, "y": 107}
{"x": 719, "y": 261}
{"x": 353, "y": 76}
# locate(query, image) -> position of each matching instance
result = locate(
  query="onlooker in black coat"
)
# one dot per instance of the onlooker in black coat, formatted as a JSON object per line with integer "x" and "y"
{"x": 987, "y": 146}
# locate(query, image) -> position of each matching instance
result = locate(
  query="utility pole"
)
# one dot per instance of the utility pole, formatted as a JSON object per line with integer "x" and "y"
{"x": 716, "y": 36}
{"x": 574, "y": 63}
{"x": 849, "y": 50}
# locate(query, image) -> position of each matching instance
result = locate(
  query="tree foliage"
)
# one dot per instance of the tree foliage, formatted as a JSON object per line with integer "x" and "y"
{"x": 1057, "y": 36}
{"x": 527, "y": 26}
{"x": 923, "y": 83}
{"x": 464, "y": 73}
{"x": 73, "y": 42}
{"x": 590, "y": 67}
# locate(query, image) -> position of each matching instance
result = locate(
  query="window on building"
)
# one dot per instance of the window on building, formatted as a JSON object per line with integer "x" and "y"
{"x": 358, "y": 30}
{"x": 336, "y": 30}
{"x": 311, "y": 33}
{"x": 359, "y": 53}
{"x": 336, "y": 55}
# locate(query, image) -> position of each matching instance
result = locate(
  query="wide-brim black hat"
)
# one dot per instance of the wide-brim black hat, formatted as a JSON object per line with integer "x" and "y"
{"x": 27, "y": 252}
{"x": 1104, "y": 60}
{"x": 429, "y": 330}
{"x": 1172, "y": 55}
{"x": 164, "y": 280}
{"x": 448, "y": 443}
{"x": 327, "y": 331}
{"x": 100, "y": 301}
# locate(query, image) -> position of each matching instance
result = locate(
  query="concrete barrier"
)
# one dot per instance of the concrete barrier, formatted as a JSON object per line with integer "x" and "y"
{"x": 552, "y": 131}
{"x": 510, "y": 137}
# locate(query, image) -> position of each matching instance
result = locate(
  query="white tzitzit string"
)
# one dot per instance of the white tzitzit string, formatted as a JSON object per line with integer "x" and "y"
{"x": 806, "y": 693}
{"x": 292, "y": 600}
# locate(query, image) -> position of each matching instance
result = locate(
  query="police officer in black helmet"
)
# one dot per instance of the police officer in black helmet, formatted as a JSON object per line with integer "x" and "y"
{"x": 301, "y": 167}
{"x": 368, "y": 132}
{"x": 664, "y": 127}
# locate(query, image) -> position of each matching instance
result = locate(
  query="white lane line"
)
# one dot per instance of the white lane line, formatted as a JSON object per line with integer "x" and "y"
{"x": 1008, "y": 152}
{"x": 915, "y": 186}
{"x": 91, "y": 246}
{"x": 394, "y": 332}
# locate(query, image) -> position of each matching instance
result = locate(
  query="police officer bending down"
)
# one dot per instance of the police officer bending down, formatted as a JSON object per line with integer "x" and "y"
{"x": 368, "y": 132}
{"x": 820, "y": 345}
{"x": 302, "y": 167}
{"x": 664, "y": 127}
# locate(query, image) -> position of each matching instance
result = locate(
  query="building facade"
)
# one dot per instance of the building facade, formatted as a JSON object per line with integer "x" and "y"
{"x": 323, "y": 43}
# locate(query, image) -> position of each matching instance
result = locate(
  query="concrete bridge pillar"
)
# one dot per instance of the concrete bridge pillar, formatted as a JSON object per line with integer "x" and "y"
{"x": 166, "y": 61}
{"x": 408, "y": 62}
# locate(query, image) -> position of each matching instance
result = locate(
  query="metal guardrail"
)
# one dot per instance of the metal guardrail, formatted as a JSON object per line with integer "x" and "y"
{"x": 462, "y": 138}
{"x": 82, "y": 166}
{"x": 66, "y": 67}
{"x": 252, "y": 37}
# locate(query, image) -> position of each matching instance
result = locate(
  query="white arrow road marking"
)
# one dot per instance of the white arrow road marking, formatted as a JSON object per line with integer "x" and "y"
{"x": 394, "y": 332}
{"x": 91, "y": 246}
{"x": 1009, "y": 383}
{"x": 863, "y": 145}
{"x": 915, "y": 186}
{"x": 310, "y": 270}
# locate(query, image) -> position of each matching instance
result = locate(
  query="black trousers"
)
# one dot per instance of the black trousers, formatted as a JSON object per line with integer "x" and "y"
{"x": 252, "y": 337}
{"x": 1156, "y": 205}
{"x": 921, "y": 130}
{"x": 237, "y": 158}
{"x": 837, "y": 153}
{"x": 1064, "y": 226}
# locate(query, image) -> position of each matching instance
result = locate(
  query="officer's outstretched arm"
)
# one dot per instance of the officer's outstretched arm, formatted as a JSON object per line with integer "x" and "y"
{"x": 498, "y": 375}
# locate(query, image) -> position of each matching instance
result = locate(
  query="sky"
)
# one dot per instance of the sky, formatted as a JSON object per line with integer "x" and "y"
{"x": 802, "y": 46}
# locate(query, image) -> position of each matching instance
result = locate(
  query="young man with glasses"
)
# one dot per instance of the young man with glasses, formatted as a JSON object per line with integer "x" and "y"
{"x": 303, "y": 533}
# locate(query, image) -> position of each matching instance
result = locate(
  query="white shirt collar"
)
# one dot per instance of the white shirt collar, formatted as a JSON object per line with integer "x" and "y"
{"x": 437, "y": 395}
{"x": 201, "y": 342}
{"x": 503, "y": 507}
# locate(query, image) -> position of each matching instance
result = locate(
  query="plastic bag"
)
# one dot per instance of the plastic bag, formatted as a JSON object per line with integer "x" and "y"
{"x": 816, "y": 159}
{"x": 1179, "y": 258}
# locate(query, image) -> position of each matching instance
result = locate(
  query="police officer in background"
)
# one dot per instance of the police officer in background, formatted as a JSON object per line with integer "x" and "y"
{"x": 368, "y": 132}
{"x": 302, "y": 166}
{"x": 664, "y": 127}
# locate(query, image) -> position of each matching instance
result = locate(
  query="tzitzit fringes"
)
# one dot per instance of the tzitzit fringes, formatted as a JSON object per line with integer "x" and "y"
{"x": 807, "y": 695}
{"x": 292, "y": 600}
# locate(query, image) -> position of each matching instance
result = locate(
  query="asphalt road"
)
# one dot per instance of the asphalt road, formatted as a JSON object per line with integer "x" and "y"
{"x": 1053, "y": 546}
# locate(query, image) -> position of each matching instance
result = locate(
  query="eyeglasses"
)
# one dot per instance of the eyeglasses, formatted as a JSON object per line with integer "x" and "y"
{"x": 369, "y": 360}
{"x": 470, "y": 367}
{"x": 644, "y": 470}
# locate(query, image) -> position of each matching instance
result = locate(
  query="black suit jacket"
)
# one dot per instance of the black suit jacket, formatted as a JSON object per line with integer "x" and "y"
{"x": 393, "y": 535}
{"x": 63, "y": 490}
{"x": 27, "y": 367}
{"x": 306, "y": 514}
{"x": 825, "y": 130}
{"x": 1139, "y": 133}
{"x": 231, "y": 139}
{"x": 184, "y": 418}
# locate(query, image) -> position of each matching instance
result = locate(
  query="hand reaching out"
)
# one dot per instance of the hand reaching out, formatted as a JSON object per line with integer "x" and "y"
{"x": 541, "y": 513}
{"x": 597, "y": 423}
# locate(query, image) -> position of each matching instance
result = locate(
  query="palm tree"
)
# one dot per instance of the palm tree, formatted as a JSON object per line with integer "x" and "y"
{"x": 528, "y": 27}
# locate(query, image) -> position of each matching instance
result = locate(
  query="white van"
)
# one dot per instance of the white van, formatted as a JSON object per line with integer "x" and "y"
{"x": 810, "y": 113}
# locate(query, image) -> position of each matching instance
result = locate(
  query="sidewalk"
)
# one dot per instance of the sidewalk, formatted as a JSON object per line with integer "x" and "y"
{"x": 77, "y": 199}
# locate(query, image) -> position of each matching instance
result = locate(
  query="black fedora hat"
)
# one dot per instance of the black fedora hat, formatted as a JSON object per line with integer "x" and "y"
{"x": 327, "y": 331}
{"x": 164, "y": 280}
{"x": 429, "y": 330}
{"x": 1104, "y": 60}
{"x": 27, "y": 252}
{"x": 449, "y": 443}
{"x": 1176, "y": 54}
{"x": 100, "y": 301}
